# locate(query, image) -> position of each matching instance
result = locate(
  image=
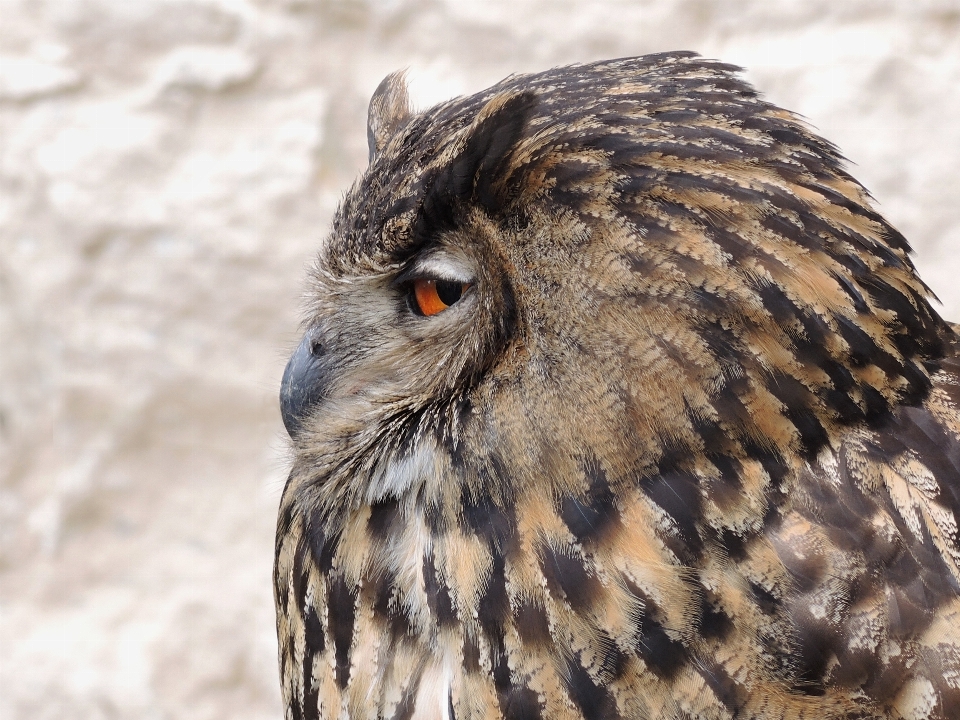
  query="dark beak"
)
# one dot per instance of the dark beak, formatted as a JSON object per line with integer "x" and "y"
{"x": 302, "y": 387}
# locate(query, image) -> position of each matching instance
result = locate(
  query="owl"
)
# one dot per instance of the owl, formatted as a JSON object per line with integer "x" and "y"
{"x": 617, "y": 398}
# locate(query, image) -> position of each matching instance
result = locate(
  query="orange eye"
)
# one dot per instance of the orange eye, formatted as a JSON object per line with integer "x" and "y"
{"x": 434, "y": 296}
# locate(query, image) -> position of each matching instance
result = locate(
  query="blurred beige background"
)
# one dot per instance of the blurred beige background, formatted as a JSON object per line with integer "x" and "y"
{"x": 167, "y": 170}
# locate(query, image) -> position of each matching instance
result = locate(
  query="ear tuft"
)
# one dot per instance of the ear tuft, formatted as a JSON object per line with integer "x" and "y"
{"x": 388, "y": 112}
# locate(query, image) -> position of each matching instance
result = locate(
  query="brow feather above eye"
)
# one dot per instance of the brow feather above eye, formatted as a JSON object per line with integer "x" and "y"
{"x": 439, "y": 266}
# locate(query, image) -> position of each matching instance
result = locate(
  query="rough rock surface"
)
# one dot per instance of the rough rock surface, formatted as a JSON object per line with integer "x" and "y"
{"x": 167, "y": 170}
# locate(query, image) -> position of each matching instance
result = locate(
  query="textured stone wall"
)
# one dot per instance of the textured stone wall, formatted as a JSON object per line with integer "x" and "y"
{"x": 167, "y": 170}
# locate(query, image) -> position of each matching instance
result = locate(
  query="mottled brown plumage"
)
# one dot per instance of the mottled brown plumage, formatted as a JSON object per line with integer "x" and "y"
{"x": 688, "y": 445}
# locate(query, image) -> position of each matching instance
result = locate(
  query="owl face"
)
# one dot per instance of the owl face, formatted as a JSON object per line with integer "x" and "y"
{"x": 394, "y": 351}
{"x": 381, "y": 337}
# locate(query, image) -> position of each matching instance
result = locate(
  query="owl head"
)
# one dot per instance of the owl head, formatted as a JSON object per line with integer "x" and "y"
{"x": 635, "y": 269}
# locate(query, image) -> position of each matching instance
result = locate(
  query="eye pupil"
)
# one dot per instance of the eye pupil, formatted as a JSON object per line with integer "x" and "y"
{"x": 449, "y": 292}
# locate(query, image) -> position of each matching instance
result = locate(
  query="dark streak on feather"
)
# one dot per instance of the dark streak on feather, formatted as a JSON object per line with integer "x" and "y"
{"x": 341, "y": 613}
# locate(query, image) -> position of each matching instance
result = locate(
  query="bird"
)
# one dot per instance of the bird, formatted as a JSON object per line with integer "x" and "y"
{"x": 617, "y": 397}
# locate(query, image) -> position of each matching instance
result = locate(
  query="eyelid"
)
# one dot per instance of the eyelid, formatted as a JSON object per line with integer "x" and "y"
{"x": 435, "y": 266}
